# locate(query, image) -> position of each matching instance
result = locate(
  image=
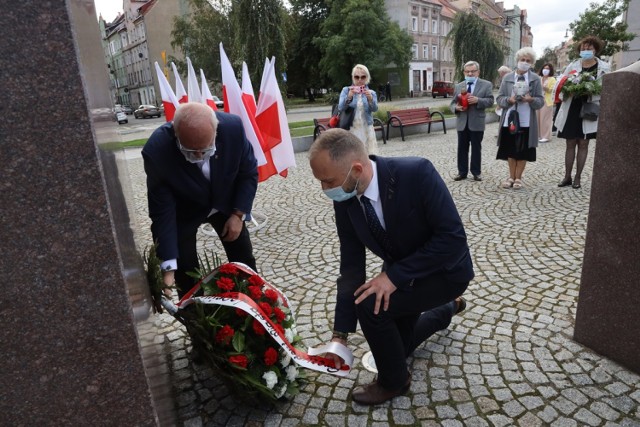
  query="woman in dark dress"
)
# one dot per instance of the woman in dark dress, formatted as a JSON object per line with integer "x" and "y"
{"x": 520, "y": 91}
{"x": 571, "y": 126}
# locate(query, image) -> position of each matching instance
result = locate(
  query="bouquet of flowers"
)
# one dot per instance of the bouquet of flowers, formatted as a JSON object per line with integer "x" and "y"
{"x": 581, "y": 84}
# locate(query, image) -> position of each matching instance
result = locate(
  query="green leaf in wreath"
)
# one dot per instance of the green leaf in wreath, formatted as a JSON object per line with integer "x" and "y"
{"x": 238, "y": 342}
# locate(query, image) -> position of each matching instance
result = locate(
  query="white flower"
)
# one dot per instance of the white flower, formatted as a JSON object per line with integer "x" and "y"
{"x": 270, "y": 378}
{"x": 280, "y": 392}
{"x": 288, "y": 333}
{"x": 286, "y": 359}
{"x": 292, "y": 372}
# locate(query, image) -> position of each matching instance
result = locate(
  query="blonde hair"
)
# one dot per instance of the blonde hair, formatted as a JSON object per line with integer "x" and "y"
{"x": 363, "y": 68}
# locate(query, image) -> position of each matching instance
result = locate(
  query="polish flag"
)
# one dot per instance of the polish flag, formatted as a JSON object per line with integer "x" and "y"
{"x": 272, "y": 121}
{"x": 181, "y": 94}
{"x": 265, "y": 73}
{"x": 207, "y": 98}
{"x": 169, "y": 100}
{"x": 193, "y": 87}
{"x": 234, "y": 105}
{"x": 248, "y": 98}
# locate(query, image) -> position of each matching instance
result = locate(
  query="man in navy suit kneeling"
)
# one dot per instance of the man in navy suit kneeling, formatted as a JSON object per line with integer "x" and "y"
{"x": 401, "y": 210}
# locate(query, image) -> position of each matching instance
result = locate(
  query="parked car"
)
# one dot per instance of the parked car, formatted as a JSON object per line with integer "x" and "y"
{"x": 442, "y": 89}
{"x": 145, "y": 111}
{"x": 219, "y": 103}
{"x": 120, "y": 116}
{"x": 128, "y": 109}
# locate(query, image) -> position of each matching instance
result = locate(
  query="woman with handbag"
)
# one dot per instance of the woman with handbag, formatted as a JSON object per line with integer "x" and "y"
{"x": 357, "y": 105}
{"x": 520, "y": 95}
{"x": 571, "y": 126}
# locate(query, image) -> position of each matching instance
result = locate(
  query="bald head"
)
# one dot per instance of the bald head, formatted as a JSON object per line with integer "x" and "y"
{"x": 195, "y": 125}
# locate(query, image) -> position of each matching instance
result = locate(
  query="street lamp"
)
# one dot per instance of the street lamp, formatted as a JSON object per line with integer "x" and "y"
{"x": 511, "y": 19}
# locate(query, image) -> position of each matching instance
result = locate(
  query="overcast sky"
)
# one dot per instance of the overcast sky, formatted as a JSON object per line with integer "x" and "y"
{"x": 549, "y": 19}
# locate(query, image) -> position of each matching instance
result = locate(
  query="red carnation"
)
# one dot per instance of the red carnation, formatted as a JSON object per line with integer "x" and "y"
{"x": 266, "y": 308}
{"x": 241, "y": 313}
{"x": 279, "y": 314}
{"x": 270, "y": 356}
{"x": 225, "y": 334}
{"x": 258, "y": 328}
{"x": 255, "y": 292}
{"x": 239, "y": 360}
{"x": 228, "y": 269}
{"x": 256, "y": 280}
{"x": 225, "y": 284}
{"x": 271, "y": 294}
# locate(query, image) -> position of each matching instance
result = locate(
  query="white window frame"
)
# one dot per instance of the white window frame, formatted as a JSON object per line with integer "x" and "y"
{"x": 434, "y": 26}
{"x": 434, "y": 52}
{"x": 425, "y": 51}
{"x": 414, "y": 24}
{"x": 425, "y": 25}
{"x": 414, "y": 51}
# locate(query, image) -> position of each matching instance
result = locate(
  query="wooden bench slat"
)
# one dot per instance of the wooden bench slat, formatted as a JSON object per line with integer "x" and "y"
{"x": 323, "y": 124}
{"x": 413, "y": 116}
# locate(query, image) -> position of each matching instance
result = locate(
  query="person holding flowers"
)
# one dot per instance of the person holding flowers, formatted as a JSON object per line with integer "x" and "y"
{"x": 583, "y": 83}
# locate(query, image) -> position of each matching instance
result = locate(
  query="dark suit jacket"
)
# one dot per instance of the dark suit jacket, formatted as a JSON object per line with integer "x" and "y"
{"x": 180, "y": 197}
{"x": 422, "y": 222}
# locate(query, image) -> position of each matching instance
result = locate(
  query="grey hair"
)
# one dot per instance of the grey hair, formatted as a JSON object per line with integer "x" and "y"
{"x": 194, "y": 114}
{"x": 363, "y": 68}
{"x": 342, "y": 146}
{"x": 504, "y": 69}
{"x": 474, "y": 63}
{"x": 526, "y": 51}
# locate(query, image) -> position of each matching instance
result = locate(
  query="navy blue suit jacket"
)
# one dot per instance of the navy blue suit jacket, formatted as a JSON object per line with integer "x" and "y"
{"x": 181, "y": 198}
{"x": 424, "y": 227}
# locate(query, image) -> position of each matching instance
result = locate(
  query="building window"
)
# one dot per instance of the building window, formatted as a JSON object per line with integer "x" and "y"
{"x": 425, "y": 25}
{"x": 434, "y": 52}
{"x": 434, "y": 26}
{"x": 425, "y": 51}
{"x": 414, "y": 51}
{"x": 414, "y": 24}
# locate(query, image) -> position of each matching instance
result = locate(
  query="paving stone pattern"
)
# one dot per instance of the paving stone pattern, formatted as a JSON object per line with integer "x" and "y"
{"x": 508, "y": 360}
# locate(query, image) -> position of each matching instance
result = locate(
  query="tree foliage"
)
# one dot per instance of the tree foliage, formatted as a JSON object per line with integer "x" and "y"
{"x": 250, "y": 30}
{"x": 548, "y": 56}
{"x": 473, "y": 41}
{"x": 603, "y": 21}
{"x": 359, "y": 32}
{"x": 302, "y": 68}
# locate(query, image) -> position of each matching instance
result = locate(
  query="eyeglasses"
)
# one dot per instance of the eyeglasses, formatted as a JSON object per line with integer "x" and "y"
{"x": 470, "y": 71}
{"x": 196, "y": 155}
{"x": 359, "y": 77}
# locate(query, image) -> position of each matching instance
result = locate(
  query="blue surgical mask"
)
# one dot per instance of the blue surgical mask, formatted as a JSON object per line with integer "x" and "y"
{"x": 338, "y": 194}
{"x": 470, "y": 79}
{"x": 586, "y": 54}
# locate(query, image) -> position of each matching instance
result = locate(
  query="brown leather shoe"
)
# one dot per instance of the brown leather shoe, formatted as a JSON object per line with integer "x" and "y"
{"x": 374, "y": 394}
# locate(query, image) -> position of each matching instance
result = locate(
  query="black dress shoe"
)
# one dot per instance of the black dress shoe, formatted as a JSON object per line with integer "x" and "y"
{"x": 477, "y": 178}
{"x": 459, "y": 177}
{"x": 461, "y": 305}
{"x": 374, "y": 394}
{"x": 565, "y": 182}
{"x": 576, "y": 185}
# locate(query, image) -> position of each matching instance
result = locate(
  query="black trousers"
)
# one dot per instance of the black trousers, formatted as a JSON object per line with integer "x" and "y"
{"x": 473, "y": 138}
{"x": 413, "y": 316}
{"x": 240, "y": 250}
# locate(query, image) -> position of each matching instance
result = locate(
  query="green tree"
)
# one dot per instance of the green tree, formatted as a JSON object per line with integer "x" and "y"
{"x": 548, "y": 56}
{"x": 603, "y": 21}
{"x": 473, "y": 41}
{"x": 302, "y": 65}
{"x": 360, "y": 31}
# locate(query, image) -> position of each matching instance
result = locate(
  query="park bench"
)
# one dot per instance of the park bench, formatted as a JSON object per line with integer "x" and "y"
{"x": 413, "y": 116}
{"x": 320, "y": 125}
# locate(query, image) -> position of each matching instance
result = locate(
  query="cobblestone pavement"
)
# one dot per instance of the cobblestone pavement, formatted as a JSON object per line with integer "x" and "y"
{"x": 509, "y": 359}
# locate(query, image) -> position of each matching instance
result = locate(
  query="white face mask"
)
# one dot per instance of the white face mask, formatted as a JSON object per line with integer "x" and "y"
{"x": 523, "y": 66}
{"x": 545, "y": 72}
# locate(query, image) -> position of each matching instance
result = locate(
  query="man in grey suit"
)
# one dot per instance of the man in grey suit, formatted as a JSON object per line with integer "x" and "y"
{"x": 470, "y": 119}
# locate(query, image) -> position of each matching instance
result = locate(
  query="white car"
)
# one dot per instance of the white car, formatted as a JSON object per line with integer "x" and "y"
{"x": 121, "y": 117}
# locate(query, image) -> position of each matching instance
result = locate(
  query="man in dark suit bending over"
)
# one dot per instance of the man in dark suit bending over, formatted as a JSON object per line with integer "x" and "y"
{"x": 200, "y": 169}
{"x": 401, "y": 210}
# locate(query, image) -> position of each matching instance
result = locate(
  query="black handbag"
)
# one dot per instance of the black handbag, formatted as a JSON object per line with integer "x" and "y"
{"x": 513, "y": 122}
{"x": 589, "y": 111}
{"x": 346, "y": 118}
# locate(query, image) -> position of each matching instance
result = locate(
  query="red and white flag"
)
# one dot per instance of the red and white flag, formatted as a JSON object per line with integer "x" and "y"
{"x": 265, "y": 73}
{"x": 248, "y": 98}
{"x": 181, "y": 94}
{"x": 271, "y": 117}
{"x": 207, "y": 98}
{"x": 169, "y": 100}
{"x": 234, "y": 105}
{"x": 193, "y": 88}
